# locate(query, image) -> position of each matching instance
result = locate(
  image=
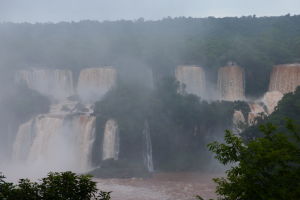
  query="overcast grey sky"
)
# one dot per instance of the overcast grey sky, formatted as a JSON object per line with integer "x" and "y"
{"x": 75, "y": 10}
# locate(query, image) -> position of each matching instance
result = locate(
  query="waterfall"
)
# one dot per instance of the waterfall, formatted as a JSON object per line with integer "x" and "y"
{"x": 111, "y": 141}
{"x": 238, "y": 121}
{"x": 63, "y": 139}
{"x": 193, "y": 77}
{"x": 256, "y": 109}
{"x": 231, "y": 83}
{"x": 57, "y": 84}
{"x": 48, "y": 133}
{"x": 271, "y": 100}
{"x": 148, "y": 161}
{"x": 84, "y": 127}
{"x": 93, "y": 83}
{"x": 285, "y": 78}
{"x": 54, "y": 142}
{"x": 23, "y": 141}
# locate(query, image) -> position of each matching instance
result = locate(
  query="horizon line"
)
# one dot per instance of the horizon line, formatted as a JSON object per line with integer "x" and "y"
{"x": 142, "y": 19}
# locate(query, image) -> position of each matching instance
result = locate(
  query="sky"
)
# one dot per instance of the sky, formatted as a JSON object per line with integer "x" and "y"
{"x": 76, "y": 10}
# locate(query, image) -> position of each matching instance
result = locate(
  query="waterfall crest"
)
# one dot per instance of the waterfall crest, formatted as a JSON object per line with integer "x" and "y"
{"x": 285, "y": 78}
{"x": 93, "y": 83}
{"x": 194, "y": 79}
{"x": 231, "y": 83}
{"x": 111, "y": 140}
{"x": 57, "y": 83}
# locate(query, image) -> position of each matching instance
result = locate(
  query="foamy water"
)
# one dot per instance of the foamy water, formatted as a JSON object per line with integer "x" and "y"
{"x": 162, "y": 186}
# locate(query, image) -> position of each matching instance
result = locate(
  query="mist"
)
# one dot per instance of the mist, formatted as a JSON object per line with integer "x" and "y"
{"x": 138, "y": 89}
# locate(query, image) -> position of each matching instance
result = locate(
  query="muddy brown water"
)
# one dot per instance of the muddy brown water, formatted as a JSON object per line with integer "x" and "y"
{"x": 162, "y": 186}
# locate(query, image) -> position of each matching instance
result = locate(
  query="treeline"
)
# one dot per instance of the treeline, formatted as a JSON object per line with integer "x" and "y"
{"x": 254, "y": 43}
{"x": 59, "y": 186}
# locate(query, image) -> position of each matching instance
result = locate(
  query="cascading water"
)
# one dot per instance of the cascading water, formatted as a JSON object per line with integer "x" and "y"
{"x": 23, "y": 141}
{"x": 63, "y": 139}
{"x": 256, "y": 109}
{"x": 48, "y": 137}
{"x": 238, "y": 121}
{"x": 56, "y": 142}
{"x": 148, "y": 160}
{"x": 193, "y": 77}
{"x": 93, "y": 83}
{"x": 231, "y": 83}
{"x": 86, "y": 125}
{"x": 57, "y": 83}
{"x": 285, "y": 78}
{"x": 111, "y": 141}
{"x": 271, "y": 100}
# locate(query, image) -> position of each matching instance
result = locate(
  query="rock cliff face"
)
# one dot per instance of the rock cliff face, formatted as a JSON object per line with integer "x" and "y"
{"x": 285, "y": 78}
{"x": 231, "y": 83}
{"x": 192, "y": 79}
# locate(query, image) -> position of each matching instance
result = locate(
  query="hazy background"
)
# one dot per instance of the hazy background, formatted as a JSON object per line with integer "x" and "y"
{"x": 76, "y": 10}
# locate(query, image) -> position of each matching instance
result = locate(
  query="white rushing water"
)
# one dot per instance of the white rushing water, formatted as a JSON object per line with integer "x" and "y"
{"x": 256, "y": 110}
{"x": 56, "y": 143}
{"x": 111, "y": 140}
{"x": 62, "y": 139}
{"x": 56, "y": 83}
{"x": 238, "y": 121}
{"x": 231, "y": 83}
{"x": 93, "y": 83}
{"x": 23, "y": 141}
{"x": 148, "y": 160}
{"x": 285, "y": 78}
{"x": 193, "y": 78}
{"x": 271, "y": 100}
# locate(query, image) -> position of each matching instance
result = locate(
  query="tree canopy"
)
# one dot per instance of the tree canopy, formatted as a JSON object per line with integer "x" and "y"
{"x": 264, "y": 168}
{"x": 56, "y": 186}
